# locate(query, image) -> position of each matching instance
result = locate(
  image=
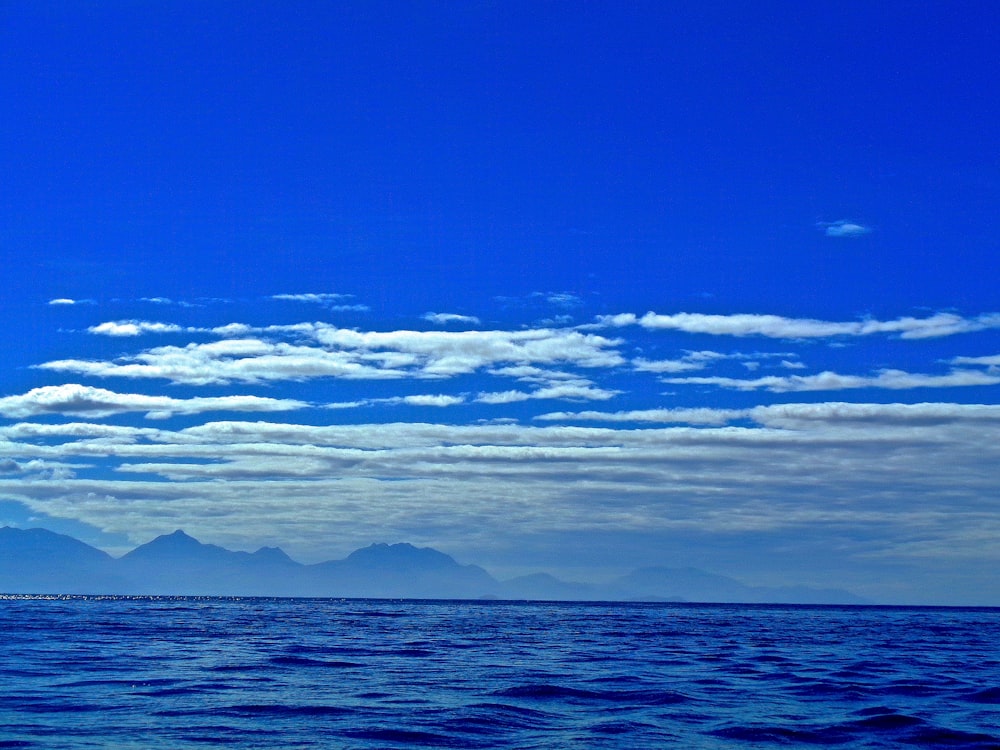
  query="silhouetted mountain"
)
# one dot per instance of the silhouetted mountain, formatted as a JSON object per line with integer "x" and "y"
{"x": 402, "y": 570}
{"x": 691, "y": 584}
{"x": 180, "y": 563}
{"x": 542, "y": 586}
{"x": 272, "y": 556}
{"x": 37, "y": 561}
{"x": 42, "y": 562}
{"x": 688, "y": 584}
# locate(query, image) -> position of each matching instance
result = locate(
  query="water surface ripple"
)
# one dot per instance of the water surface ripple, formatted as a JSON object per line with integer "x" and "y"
{"x": 85, "y": 672}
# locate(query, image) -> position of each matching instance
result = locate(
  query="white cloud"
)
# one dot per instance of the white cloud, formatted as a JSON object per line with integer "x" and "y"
{"x": 551, "y": 384}
{"x": 795, "y": 416}
{"x": 688, "y": 363}
{"x": 85, "y": 401}
{"x": 693, "y": 361}
{"x": 351, "y": 354}
{"x": 565, "y": 300}
{"x": 704, "y": 416}
{"x": 63, "y": 301}
{"x": 806, "y": 469}
{"x": 424, "y": 399}
{"x": 843, "y": 228}
{"x": 832, "y": 381}
{"x": 439, "y": 400}
{"x": 444, "y": 318}
{"x": 776, "y": 326}
{"x": 348, "y": 404}
{"x": 319, "y": 299}
{"x": 132, "y": 328}
{"x": 572, "y": 391}
{"x": 232, "y": 360}
{"x": 992, "y": 360}
{"x": 802, "y": 415}
{"x": 560, "y": 299}
{"x": 331, "y": 301}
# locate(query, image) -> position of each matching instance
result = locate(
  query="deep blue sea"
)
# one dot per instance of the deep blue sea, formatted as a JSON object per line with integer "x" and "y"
{"x": 104, "y": 672}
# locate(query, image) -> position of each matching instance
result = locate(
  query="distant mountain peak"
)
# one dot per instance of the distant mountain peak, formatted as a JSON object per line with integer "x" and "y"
{"x": 174, "y": 546}
{"x": 273, "y": 554}
{"x": 41, "y": 561}
{"x": 400, "y": 555}
{"x": 174, "y": 538}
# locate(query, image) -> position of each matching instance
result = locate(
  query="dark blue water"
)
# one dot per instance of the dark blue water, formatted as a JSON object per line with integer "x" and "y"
{"x": 262, "y": 673}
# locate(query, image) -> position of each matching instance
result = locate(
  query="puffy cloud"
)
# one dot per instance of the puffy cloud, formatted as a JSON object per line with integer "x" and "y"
{"x": 85, "y": 401}
{"x": 843, "y": 228}
{"x": 776, "y": 326}
{"x": 133, "y": 328}
{"x": 444, "y": 318}
{"x": 832, "y": 381}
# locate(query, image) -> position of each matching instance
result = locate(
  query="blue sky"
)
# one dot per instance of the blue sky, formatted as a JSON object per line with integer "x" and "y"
{"x": 574, "y": 287}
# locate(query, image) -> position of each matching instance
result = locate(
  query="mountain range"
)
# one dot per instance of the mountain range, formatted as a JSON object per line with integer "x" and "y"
{"x": 38, "y": 561}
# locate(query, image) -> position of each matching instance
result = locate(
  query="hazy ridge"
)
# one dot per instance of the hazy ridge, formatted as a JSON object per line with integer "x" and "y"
{"x": 38, "y": 561}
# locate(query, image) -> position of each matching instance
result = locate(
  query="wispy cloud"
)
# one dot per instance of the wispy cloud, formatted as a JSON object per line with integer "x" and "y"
{"x": 424, "y": 399}
{"x": 560, "y": 299}
{"x": 832, "y": 381}
{"x": 796, "y": 416}
{"x": 324, "y": 298}
{"x": 329, "y": 300}
{"x": 843, "y": 228}
{"x": 795, "y": 470}
{"x": 85, "y": 401}
{"x": 438, "y": 400}
{"x": 334, "y": 352}
{"x": 66, "y": 301}
{"x": 693, "y": 361}
{"x": 569, "y": 391}
{"x": 444, "y": 318}
{"x": 564, "y": 300}
{"x": 776, "y": 326}
{"x": 992, "y": 360}
{"x": 704, "y": 416}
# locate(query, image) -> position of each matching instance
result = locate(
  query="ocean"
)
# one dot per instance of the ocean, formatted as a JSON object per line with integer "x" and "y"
{"x": 152, "y": 672}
